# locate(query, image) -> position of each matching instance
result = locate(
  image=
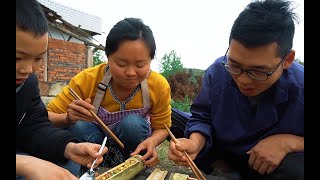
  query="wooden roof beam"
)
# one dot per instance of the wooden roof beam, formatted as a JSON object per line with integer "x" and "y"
{"x": 100, "y": 47}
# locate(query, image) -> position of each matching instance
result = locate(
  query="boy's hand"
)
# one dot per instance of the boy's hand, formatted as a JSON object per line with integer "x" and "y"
{"x": 84, "y": 153}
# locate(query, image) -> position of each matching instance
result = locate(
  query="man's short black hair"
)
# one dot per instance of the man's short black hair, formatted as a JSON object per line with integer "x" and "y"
{"x": 265, "y": 22}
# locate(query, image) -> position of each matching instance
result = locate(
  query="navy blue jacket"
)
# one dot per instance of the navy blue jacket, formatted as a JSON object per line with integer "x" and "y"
{"x": 223, "y": 114}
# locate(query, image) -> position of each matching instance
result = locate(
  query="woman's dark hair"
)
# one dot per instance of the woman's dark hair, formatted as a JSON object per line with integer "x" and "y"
{"x": 30, "y": 17}
{"x": 266, "y": 22}
{"x": 129, "y": 29}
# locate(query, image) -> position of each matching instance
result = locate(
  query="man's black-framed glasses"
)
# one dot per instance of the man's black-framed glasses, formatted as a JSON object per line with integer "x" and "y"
{"x": 254, "y": 74}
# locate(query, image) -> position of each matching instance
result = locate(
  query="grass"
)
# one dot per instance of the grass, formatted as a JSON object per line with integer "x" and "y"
{"x": 162, "y": 150}
{"x": 165, "y": 163}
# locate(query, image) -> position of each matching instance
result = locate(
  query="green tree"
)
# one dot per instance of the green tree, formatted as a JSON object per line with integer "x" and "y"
{"x": 170, "y": 64}
{"x": 98, "y": 57}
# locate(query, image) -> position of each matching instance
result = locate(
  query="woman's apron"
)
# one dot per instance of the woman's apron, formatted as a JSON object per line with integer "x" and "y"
{"x": 111, "y": 119}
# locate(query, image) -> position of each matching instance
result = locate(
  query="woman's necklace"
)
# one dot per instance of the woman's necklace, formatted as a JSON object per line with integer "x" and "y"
{"x": 123, "y": 103}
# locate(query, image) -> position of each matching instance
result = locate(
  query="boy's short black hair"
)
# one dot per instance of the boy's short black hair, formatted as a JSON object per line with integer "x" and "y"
{"x": 30, "y": 17}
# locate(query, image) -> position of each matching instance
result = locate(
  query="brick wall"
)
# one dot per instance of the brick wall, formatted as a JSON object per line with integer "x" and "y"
{"x": 65, "y": 60}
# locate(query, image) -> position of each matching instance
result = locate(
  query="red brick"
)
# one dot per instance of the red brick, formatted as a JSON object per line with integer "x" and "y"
{"x": 65, "y": 60}
{"x": 44, "y": 88}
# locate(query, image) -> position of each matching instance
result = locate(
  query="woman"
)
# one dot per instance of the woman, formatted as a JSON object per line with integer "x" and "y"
{"x": 130, "y": 98}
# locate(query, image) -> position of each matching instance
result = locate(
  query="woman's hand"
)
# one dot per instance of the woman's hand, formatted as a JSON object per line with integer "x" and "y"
{"x": 78, "y": 110}
{"x": 150, "y": 158}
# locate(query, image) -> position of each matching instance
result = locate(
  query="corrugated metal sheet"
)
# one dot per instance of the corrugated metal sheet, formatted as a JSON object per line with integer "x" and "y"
{"x": 71, "y": 15}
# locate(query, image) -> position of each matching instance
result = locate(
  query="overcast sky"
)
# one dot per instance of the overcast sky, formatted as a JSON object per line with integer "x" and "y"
{"x": 197, "y": 30}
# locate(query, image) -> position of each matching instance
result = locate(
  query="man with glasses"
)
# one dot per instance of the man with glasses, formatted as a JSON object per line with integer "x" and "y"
{"x": 249, "y": 113}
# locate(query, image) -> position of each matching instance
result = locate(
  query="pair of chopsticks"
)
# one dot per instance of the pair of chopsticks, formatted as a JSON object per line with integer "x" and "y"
{"x": 193, "y": 166}
{"x": 104, "y": 127}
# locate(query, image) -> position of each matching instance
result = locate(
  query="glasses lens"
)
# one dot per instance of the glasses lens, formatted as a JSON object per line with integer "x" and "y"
{"x": 258, "y": 75}
{"x": 233, "y": 69}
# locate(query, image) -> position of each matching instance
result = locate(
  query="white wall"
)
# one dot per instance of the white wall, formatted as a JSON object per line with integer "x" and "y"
{"x": 56, "y": 34}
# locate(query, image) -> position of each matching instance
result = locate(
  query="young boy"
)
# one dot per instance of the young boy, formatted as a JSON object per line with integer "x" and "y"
{"x": 40, "y": 146}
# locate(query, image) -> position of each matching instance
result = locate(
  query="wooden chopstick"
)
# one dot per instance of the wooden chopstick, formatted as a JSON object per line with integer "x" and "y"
{"x": 193, "y": 166}
{"x": 104, "y": 127}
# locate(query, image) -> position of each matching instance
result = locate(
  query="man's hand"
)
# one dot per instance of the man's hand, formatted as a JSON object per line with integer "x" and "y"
{"x": 84, "y": 153}
{"x": 266, "y": 156}
{"x": 33, "y": 168}
{"x": 184, "y": 144}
